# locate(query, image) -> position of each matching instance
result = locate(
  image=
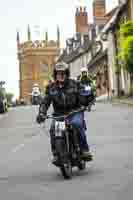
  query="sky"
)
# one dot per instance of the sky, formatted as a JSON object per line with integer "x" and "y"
{"x": 41, "y": 15}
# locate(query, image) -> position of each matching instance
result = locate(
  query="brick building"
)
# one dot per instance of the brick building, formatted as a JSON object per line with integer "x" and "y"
{"x": 81, "y": 20}
{"x": 99, "y": 12}
{"x": 36, "y": 60}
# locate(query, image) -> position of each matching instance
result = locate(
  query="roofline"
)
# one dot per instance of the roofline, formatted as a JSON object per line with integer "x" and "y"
{"x": 111, "y": 12}
{"x": 95, "y": 58}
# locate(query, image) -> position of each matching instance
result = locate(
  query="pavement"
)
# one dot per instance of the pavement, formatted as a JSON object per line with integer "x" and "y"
{"x": 26, "y": 172}
{"x": 123, "y": 100}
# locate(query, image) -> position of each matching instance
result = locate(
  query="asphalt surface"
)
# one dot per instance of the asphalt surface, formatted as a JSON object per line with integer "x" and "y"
{"x": 26, "y": 172}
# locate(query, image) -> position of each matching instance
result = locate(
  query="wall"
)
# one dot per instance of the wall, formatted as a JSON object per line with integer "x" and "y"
{"x": 75, "y": 67}
{"x": 78, "y": 63}
{"x": 111, "y": 62}
{"x": 35, "y": 67}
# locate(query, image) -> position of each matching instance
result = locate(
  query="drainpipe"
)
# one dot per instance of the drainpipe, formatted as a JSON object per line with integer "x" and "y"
{"x": 118, "y": 67}
{"x": 131, "y": 9}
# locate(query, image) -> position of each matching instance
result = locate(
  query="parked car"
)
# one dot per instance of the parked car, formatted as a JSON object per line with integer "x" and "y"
{"x": 22, "y": 102}
{"x": 3, "y": 104}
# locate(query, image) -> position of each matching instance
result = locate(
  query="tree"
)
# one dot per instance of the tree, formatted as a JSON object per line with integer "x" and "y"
{"x": 126, "y": 42}
{"x": 2, "y": 92}
{"x": 126, "y": 29}
{"x": 9, "y": 97}
{"x": 2, "y": 89}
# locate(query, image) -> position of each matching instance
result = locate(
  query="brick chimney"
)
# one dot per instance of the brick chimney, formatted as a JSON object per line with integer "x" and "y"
{"x": 81, "y": 20}
{"x": 99, "y": 11}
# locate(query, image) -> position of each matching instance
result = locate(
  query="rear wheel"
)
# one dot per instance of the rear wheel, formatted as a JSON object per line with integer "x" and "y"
{"x": 82, "y": 165}
{"x": 89, "y": 108}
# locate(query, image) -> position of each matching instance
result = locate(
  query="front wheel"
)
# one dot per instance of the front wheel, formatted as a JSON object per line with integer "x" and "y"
{"x": 82, "y": 165}
{"x": 66, "y": 170}
{"x": 89, "y": 108}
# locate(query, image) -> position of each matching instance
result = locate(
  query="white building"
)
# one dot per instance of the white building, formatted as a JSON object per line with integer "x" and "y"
{"x": 119, "y": 78}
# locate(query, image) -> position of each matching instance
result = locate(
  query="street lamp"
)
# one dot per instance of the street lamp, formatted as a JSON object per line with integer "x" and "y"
{"x": 2, "y": 83}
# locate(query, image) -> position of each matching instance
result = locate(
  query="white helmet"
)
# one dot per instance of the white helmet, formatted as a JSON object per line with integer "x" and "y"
{"x": 84, "y": 69}
{"x": 35, "y": 85}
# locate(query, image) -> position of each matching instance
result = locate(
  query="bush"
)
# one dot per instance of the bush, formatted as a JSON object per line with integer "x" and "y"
{"x": 126, "y": 42}
{"x": 9, "y": 97}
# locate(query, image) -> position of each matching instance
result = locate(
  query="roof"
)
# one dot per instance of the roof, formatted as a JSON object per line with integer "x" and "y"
{"x": 97, "y": 57}
{"x": 113, "y": 20}
{"x": 111, "y": 12}
{"x": 68, "y": 58}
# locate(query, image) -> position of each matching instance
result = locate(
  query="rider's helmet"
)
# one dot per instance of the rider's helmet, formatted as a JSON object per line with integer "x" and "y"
{"x": 61, "y": 67}
{"x": 84, "y": 71}
{"x": 35, "y": 85}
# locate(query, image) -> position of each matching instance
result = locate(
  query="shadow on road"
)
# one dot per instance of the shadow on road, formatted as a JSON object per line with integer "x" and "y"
{"x": 47, "y": 177}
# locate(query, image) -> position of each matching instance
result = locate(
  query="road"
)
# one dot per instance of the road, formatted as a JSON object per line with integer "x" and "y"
{"x": 26, "y": 172}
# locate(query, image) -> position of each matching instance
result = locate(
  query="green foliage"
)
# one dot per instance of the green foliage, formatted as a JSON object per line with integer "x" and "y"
{"x": 126, "y": 45}
{"x": 131, "y": 89}
{"x": 49, "y": 76}
{"x": 116, "y": 64}
{"x": 9, "y": 97}
{"x": 128, "y": 53}
{"x": 126, "y": 29}
{"x": 2, "y": 92}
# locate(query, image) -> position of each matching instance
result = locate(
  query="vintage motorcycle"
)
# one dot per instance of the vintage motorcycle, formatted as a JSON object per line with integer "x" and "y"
{"x": 35, "y": 95}
{"x": 36, "y": 98}
{"x": 67, "y": 145}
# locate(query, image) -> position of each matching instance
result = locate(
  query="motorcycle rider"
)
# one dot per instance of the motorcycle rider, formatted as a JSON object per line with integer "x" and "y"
{"x": 63, "y": 94}
{"x": 85, "y": 80}
{"x": 36, "y": 94}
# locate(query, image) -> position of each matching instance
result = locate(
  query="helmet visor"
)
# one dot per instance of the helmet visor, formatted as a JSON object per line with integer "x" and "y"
{"x": 60, "y": 67}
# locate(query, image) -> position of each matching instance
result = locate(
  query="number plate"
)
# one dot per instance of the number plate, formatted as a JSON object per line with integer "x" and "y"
{"x": 87, "y": 88}
{"x": 59, "y": 127}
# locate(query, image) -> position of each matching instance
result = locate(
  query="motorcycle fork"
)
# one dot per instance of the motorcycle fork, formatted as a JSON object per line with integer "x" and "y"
{"x": 67, "y": 141}
{"x": 63, "y": 147}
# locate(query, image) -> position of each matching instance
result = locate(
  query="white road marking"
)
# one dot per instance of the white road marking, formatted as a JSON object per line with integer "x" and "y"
{"x": 17, "y": 148}
{"x": 20, "y": 146}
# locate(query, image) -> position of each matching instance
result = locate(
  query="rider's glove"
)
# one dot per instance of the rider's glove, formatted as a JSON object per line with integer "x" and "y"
{"x": 40, "y": 118}
{"x": 83, "y": 108}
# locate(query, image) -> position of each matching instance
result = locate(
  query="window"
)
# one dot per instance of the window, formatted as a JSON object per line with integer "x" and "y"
{"x": 43, "y": 67}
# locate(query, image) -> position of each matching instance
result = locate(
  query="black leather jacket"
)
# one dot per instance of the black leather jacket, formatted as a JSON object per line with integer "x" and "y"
{"x": 64, "y": 99}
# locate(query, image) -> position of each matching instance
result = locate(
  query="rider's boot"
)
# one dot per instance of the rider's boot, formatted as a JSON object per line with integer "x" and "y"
{"x": 86, "y": 155}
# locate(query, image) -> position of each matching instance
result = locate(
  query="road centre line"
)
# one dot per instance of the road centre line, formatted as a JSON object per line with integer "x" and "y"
{"x": 17, "y": 148}
{"x": 20, "y": 146}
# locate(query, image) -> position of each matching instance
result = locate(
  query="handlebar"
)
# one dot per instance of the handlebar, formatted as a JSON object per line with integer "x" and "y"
{"x": 66, "y": 115}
